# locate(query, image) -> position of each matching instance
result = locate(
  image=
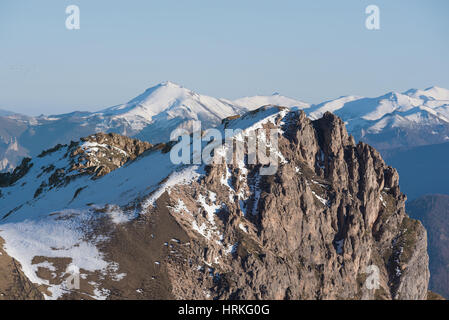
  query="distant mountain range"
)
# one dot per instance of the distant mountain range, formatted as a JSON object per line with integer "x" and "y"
{"x": 393, "y": 123}
{"x": 394, "y": 120}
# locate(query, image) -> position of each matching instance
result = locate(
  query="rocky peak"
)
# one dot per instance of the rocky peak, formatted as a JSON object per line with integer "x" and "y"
{"x": 313, "y": 230}
{"x": 102, "y": 153}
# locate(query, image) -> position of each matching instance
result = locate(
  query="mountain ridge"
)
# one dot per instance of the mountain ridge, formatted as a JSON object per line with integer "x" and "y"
{"x": 388, "y": 122}
{"x": 151, "y": 229}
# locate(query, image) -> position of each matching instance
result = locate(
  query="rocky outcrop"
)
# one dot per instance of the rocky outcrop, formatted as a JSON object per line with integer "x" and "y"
{"x": 8, "y": 178}
{"x": 329, "y": 220}
{"x": 102, "y": 153}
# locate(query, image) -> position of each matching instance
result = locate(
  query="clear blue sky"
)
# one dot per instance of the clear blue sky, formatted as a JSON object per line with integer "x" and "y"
{"x": 310, "y": 50}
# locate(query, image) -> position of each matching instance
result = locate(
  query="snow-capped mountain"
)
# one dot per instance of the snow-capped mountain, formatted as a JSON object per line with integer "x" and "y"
{"x": 275, "y": 99}
{"x": 432, "y": 93}
{"x": 170, "y": 100}
{"x": 394, "y": 120}
{"x": 155, "y": 113}
{"x": 151, "y": 116}
{"x": 353, "y": 108}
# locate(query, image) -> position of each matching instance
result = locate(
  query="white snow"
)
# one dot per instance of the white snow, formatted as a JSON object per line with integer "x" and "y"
{"x": 317, "y": 111}
{"x": 243, "y": 227}
{"x": 426, "y": 108}
{"x": 53, "y": 238}
{"x": 231, "y": 248}
{"x": 432, "y": 93}
{"x": 384, "y": 203}
{"x": 34, "y": 226}
{"x": 118, "y": 216}
{"x": 208, "y": 228}
{"x": 321, "y": 199}
{"x": 184, "y": 176}
{"x": 181, "y": 207}
{"x": 202, "y": 230}
{"x": 210, "y": 209}
{"x": 166, "y": 105}
{"x": 255, "y": 102}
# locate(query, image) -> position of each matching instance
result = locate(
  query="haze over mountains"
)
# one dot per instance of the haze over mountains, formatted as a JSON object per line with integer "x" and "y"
{"x": 433, "y": 212}
{"x": 4, "y": 113}
{"x": 393, "y": 123}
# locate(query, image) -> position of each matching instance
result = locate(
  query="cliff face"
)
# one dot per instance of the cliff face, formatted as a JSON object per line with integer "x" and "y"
{"x": 310, "y": 231}
{"x": 330, "y": 223}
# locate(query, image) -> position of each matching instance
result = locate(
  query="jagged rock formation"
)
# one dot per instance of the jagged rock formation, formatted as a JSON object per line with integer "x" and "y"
{"x": 102, "y": 153}
{"x": 312, "y": 230}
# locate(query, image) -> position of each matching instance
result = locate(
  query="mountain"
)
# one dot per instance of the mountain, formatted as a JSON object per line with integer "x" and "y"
{"x": 131, "y": 224}
{"x": 275, "y": 99}
{"x": 394, "y": 120}
{"x": 410, "y": 129}
{"x": 433, "y": 211}
{"x": 432, "y": 93}
{"x": 154, "y": 114}
{"x": 151, "y": 116}
{"x": 393, "y": 123}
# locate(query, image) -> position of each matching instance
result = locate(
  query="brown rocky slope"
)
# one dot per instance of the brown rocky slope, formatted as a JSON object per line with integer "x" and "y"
{"x": 14, "y": 285}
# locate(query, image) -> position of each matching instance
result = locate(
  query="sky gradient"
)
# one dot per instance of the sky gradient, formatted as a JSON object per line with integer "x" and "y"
{"x": 309, "y": 50}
